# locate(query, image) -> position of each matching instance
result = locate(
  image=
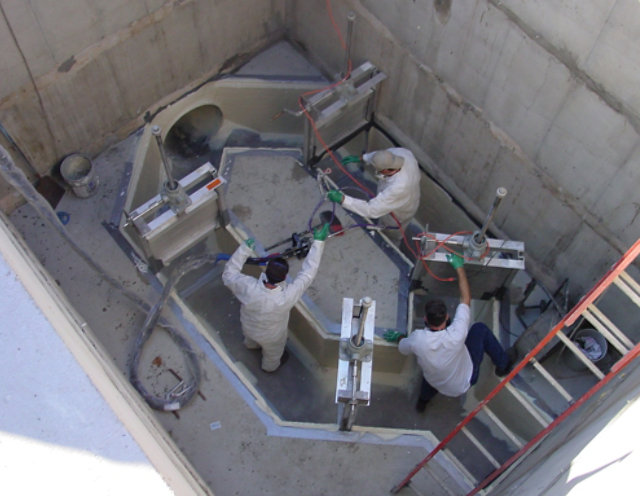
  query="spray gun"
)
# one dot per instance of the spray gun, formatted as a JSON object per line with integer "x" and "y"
{"x": 301, "y": 241}
{"x": 172, "y": 192}
{"x": 475, "y": 245}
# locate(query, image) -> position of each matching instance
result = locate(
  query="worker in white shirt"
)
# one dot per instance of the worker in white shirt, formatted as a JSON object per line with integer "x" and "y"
{"x": 449, "y": 352}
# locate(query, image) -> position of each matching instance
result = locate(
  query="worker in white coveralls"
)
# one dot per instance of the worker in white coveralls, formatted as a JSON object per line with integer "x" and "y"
{"x": 267, "y": 300}
{"x": 398, "y": 189}
{"x": 449, "y": 352}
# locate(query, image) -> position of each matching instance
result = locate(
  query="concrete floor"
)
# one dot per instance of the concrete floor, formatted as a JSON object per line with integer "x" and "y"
{"x": 226, "y": 433}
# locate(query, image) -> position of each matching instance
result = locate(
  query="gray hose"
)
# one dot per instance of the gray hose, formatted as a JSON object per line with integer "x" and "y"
{"x": 177, "y": 398}
{"x": 172, "y": 400}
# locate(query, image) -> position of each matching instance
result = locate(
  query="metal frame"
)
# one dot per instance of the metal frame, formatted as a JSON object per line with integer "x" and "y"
{"x": 341, "y": 110}
{"x": 614, "y": 276}
{"x": 355, "y": 361}
{"x": 164, "y": 233}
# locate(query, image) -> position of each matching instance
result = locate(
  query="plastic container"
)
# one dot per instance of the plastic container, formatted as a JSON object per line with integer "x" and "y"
{"x": 591, "y": 343}
{"x": 77, "y": 171}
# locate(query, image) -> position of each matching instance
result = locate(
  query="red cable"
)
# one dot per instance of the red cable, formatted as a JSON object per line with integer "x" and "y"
{"x": 346, "y": 172}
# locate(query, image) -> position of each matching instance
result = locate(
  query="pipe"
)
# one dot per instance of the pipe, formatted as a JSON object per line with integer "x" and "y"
{"x": 171, "y": 183}
{"x": 500, "y": 194}
{"x": 358, "y": 339}
{"x": 351, "y": 17}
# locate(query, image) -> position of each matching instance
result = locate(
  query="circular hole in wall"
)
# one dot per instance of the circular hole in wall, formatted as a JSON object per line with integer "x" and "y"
{"x": 190, "y": 136}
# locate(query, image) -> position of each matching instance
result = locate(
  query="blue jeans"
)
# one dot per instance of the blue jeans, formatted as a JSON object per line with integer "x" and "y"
{"x": 480, "y": 340}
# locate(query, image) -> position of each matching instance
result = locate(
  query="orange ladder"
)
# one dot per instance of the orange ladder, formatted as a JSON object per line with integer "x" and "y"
{"x": 586, "y": 309}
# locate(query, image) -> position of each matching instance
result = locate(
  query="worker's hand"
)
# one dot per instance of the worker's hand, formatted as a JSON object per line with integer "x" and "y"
{"x": 393, "y": 336}
{"x": 322, "y": 233}
{"x": 335, "y": 196}
{"x": 351, "y": 159}
{"x": 455, "y": 260}
{"x": 250, "y": 242}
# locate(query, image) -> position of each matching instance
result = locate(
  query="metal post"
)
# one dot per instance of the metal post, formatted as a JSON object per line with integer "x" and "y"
{"x": 476, "y": 246}
{"x": 351, "y": 17}
{"x": 358, "y": 339}
{"x": 171, "y": 182}
{"x": 500, "y": 194}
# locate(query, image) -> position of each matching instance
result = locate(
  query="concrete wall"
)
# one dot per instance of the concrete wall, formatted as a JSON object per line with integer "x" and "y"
{"x": 79, "y": 74}
{"x": 539, "y": 98}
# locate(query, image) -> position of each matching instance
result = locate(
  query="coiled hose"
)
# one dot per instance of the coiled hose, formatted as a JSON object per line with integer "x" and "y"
{"x": 179, "y": 396}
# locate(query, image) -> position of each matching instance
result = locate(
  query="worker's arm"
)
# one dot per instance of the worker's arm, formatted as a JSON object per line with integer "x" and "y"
{"x": 463, "y": 284}
{"x": 232, "y": 276}
{"x": 457, "y": 262}
{"x": 310, "y": 265}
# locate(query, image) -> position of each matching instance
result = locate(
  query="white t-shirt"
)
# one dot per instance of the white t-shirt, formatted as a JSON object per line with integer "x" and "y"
{"x": 442, "y": 355}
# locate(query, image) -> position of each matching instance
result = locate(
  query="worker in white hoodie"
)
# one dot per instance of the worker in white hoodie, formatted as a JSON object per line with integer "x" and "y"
{"x": 267, "y": 301}
{"x": 398, "y": 188}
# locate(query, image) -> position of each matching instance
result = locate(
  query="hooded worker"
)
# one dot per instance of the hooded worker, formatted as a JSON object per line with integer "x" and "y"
{"x": 267, "y": 300}
{"x": 398, "y": 187}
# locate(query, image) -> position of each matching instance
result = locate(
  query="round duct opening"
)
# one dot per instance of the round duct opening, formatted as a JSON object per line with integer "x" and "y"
{"x": 189, "y": 137}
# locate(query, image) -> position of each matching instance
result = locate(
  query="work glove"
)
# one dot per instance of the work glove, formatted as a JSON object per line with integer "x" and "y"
{"x": 393, "y": 336}
{"x": 250, "y": 242}
{"x": 351, "y": 159}
{"x": 335, "y": 196}
{"x": 322, "y": 233}
{"x": 455, "y": 260}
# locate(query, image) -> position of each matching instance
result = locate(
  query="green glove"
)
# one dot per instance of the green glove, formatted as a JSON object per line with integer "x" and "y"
{"x": 393, "y": 336}
{"x": 335, "y": 196}
{"x": 322, "y": 233}
{"x": 455, "y": 260}
{"x": 351, "y": 159}
{"x": 250, "y": 243}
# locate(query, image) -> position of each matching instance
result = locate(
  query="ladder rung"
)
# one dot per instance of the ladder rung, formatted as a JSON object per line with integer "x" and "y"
{"x": 535, "y": 413}
{"x": 514, "y": 439}
{"x": 608, "y": 329}
{"x": 552, "y": 380}
{"x": 481, "y": 448}
{"x": 628, "y": 286}
{"x": 576, "y": 351}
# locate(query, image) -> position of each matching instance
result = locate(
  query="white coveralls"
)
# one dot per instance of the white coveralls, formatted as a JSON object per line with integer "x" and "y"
{"x": 264, "y": 312}
{"x": 399, "y": 193}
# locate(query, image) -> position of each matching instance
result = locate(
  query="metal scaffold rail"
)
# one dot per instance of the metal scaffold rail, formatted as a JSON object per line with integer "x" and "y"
{"x": 585, "y": 309}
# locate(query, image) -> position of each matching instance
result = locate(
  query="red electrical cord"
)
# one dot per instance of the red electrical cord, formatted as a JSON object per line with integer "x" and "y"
{"x": 349, "y": 175}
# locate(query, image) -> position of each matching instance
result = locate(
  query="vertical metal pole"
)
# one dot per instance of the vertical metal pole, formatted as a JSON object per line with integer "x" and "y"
{"x": 358, "y": 338}
{"x": 171, "y": 183}
{"x": 500, "y": 194}
{"x": 351, "y": 17}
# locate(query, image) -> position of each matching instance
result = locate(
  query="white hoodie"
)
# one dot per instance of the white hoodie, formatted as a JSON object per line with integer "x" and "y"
{"x": 399, "y": 193}
{"x": 264, "y": 313}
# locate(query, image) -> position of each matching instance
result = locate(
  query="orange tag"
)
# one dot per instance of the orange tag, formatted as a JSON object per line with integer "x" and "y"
{"x": 214, "y": 184}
